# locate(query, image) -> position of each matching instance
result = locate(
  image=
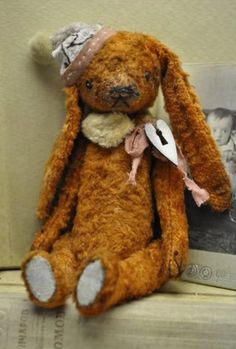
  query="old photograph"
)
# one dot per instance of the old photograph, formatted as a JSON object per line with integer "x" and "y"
{"x": 216, "y": 86}
{"x": 212, "y": 236}
{"x": 211, "y": 231}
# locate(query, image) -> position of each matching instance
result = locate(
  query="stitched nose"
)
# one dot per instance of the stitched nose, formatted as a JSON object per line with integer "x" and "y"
{"x": 125, "y": 92}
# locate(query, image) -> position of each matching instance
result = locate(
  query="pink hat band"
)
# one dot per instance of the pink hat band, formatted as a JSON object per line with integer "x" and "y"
{"x": 85, "y": 56}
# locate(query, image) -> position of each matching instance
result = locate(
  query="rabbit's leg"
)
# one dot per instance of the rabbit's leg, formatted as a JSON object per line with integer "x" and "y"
{"x": 106, "y": 281}
{"x": 50, "y": 277}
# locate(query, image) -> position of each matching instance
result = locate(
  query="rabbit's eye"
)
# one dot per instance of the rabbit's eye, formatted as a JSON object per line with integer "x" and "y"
{"x": 89, "y": 84}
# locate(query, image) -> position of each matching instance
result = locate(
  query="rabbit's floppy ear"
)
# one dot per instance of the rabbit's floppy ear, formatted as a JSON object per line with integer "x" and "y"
{"x": 60, "y": 154}
{"x": 191, "y": 131}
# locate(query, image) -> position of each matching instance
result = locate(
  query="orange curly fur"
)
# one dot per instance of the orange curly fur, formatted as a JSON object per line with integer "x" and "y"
{"x": 111, "y": 220}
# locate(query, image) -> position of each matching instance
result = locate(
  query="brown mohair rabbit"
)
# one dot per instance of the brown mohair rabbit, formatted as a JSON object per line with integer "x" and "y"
{"x": 97, "y": 240}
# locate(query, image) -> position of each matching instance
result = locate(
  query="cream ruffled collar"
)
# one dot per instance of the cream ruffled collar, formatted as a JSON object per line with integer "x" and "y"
{"x": 109, "y": 130}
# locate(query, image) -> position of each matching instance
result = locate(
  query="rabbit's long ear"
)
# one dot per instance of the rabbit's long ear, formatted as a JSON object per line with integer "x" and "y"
{"x": 60, "y": 154}
{"x": 191, "y": 131}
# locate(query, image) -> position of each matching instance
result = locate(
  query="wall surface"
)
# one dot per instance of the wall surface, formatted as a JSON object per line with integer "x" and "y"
{"x": 31, "y": 100}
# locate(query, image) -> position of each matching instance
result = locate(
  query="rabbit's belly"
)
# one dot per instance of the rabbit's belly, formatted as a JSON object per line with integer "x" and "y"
{"x": 108, "y": 207}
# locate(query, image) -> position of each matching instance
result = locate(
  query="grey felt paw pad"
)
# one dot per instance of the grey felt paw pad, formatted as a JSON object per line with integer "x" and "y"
{"x": 90, "y": 283}
{"x": 40, "y": 278}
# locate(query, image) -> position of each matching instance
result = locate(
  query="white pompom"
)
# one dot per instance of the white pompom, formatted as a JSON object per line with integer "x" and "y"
{"x": 41, "y": 48}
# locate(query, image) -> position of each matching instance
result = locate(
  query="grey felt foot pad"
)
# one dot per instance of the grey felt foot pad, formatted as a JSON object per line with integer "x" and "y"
{"x": 40, "y": 278}
{"x": 90, "y": 283}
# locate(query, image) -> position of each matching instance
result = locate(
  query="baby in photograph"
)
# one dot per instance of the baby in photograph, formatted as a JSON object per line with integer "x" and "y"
{"x": 220, "y": 121}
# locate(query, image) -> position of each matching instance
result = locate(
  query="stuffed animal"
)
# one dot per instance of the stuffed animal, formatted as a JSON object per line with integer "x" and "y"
{"x": 117, "y": 173}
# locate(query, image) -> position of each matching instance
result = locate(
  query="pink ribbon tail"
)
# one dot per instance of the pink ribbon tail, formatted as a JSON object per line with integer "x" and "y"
{"x": 135, "y": 144}
{"x": 133, "y": 172}
{"x": 200, "y": 195}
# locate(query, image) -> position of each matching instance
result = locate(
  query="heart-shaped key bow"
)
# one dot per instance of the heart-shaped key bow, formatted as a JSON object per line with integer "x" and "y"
{"x": 162, "y": 139}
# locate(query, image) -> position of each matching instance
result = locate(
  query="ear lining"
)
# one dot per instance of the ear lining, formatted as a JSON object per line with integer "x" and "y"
{"x": 60, "y": 154}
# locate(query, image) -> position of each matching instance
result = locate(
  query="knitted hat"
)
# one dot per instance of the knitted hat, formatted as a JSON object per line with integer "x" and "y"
{"x": 76, "y": 45}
